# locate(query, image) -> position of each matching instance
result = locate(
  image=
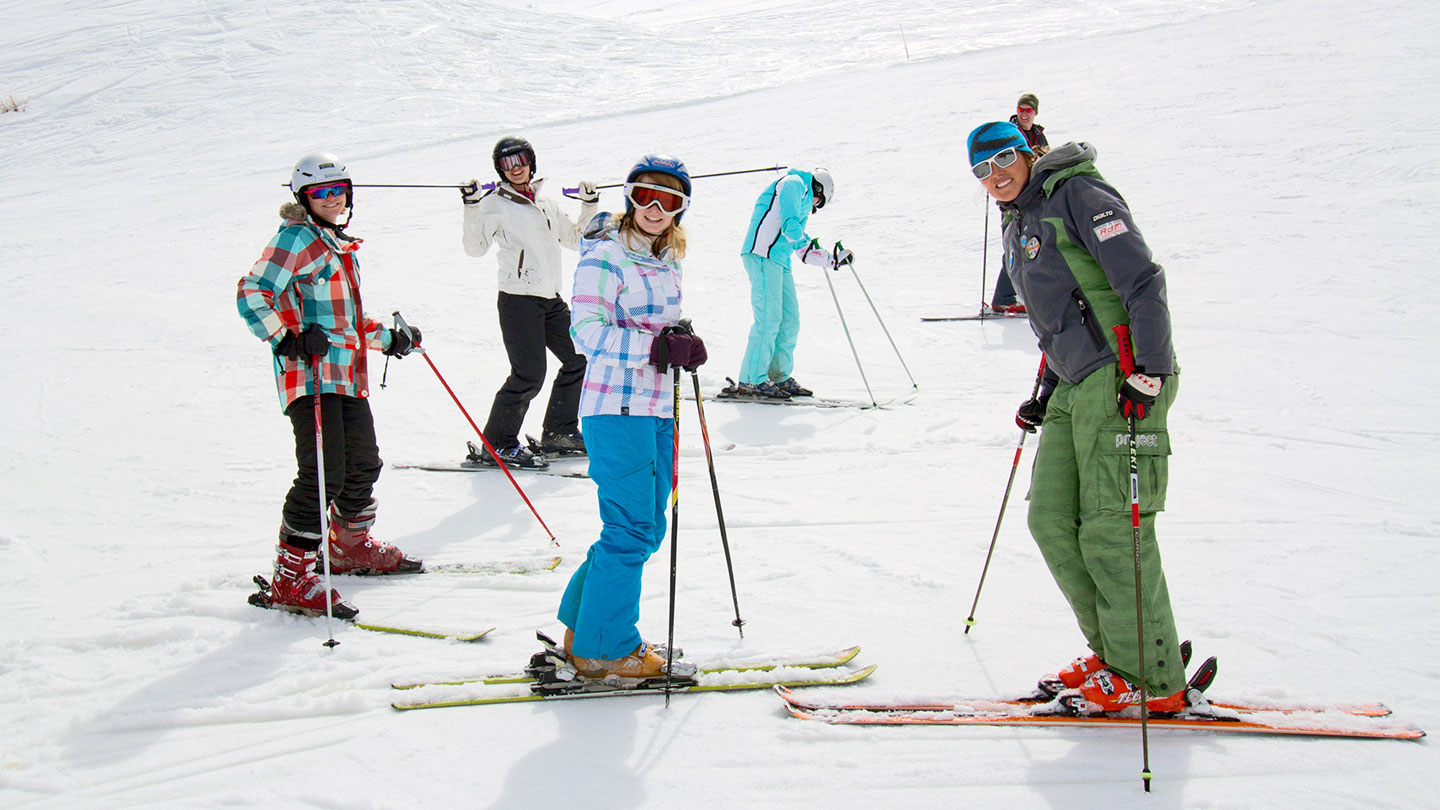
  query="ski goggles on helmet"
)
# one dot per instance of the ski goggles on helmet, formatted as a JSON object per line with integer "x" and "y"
{"x": 326, "y": 192}
{"x": 513, "y": 160}
{"x": 1003, "y": 159}
{"x": 668, "y": 200}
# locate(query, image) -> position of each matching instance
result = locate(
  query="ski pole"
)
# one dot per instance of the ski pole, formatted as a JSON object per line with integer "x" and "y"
{"x": 719, "y": 513}
{"x": 409, "y": 185}
{"x": 815, "y": 244}
{"x": 1014, "y": 465}
{"x": 984, "y": 256}
{"x": 493, "y": 454}
{"x": 571, "y": 192}
{"x": 1127, "y": 367}
{"x": 839, "y": 247}
{"x": 324, "y": 500}
{"x": 674, "y": 523}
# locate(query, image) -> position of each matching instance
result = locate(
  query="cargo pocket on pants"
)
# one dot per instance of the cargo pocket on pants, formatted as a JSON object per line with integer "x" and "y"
{"x": 1111, "y": 490}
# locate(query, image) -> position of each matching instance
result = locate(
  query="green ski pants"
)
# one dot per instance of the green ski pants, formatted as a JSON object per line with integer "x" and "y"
{"x": 1080, "y": 518}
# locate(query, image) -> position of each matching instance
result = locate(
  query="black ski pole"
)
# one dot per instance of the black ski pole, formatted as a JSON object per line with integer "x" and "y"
{"x": 571, "y": 192}
{"x": 719, "y": 513}
{"x": 1014, "y": 465}
{"x": 674, "y": 526}
{"x": 1127, "y": 367}
{"x": 984, "y": 256}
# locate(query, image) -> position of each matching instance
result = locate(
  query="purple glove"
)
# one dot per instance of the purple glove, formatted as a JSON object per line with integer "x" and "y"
{"x": 676, "y": 348}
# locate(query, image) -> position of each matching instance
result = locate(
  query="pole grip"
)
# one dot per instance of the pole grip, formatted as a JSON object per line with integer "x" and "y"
{"x": 1127, "y": 352}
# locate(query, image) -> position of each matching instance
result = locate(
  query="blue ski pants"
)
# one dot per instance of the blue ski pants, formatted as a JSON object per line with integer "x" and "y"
{"x": 770, "y": 353}
{"x": 632, "y": 463}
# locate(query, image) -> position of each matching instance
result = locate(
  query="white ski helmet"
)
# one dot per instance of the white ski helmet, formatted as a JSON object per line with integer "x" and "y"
{"x": 316, "y": 169}
{"x": 824, "y": 186}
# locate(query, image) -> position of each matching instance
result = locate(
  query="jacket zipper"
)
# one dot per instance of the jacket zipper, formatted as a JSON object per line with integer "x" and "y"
{"x": 1087, "y": 318}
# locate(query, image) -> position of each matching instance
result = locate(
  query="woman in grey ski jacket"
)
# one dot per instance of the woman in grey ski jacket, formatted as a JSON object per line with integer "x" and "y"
{"x": 1082, "y": 269}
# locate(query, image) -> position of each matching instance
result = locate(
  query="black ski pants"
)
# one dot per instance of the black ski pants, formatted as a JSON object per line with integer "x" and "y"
{"x": 530, "y": 325}
{"x": 352, "y": 460}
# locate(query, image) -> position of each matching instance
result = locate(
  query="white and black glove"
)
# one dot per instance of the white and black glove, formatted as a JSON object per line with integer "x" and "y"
{"x": 470, "y": 191}
{"x": 843, "y": 256}
{"x": 588, "y": 193}
{"x": 1137, "y": 394}
{"x": 812, "y": 254}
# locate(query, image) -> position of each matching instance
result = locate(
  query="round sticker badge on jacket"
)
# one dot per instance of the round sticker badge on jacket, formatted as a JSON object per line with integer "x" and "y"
{"x": 1032, "y": 247}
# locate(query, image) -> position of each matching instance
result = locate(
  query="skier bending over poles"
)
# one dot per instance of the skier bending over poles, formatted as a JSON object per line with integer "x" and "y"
{"x": 303, "y": 297}
{"x": 530, "y": 231}
{"x": 1082, "y": 268}
{"x": 626, "y": 293}
{"x": 777, "y": 229}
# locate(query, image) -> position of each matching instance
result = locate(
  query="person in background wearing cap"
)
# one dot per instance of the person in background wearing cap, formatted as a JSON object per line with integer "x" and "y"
{"x": 303, "y": 297}
{"x": 1024, "y": 118}
{"x": 1079, "y": 262}
{"x": 530, "y": 231}
{"x": 777, "y": 229}
{"x": 1004, "y": 301}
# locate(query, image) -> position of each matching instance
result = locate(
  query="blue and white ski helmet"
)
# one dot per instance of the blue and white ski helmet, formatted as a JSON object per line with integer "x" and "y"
{"x": 660, "y": 164}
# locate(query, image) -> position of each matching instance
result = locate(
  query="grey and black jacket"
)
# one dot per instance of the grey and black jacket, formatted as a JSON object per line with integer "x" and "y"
{"x": 1081, "y": 267}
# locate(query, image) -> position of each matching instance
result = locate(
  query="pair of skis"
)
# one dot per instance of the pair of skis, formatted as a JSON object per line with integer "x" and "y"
{"x": 261, "y": 598}
{"x": 731, "y": 393}
{"x": 472, "y": 463}
{"x": 825, "y": 669}
{"x": 1359, "y": 720}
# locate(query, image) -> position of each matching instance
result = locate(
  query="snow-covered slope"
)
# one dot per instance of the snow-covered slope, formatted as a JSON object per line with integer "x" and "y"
{"x": 1274, "y": 154}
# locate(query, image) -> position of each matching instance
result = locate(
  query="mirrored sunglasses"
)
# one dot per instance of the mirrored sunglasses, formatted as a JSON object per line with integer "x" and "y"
{"x": 1003, "y": 159}
{"x": 1025, "y": 110}
{"x": 326, "y": 192}
{"x": 508, "y": 162}
{"x": 668, "y": 200}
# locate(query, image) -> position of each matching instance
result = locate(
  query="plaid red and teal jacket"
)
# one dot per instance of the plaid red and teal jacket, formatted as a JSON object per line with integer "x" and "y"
{"x": 309, "y": 275}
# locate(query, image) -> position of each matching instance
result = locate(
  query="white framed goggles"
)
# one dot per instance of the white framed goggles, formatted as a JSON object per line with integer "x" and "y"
{"x": 1003, "y": 159}
{"x": 667, "y": 199}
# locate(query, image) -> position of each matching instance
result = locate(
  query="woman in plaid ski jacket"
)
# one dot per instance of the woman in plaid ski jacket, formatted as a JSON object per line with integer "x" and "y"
{"x": 625, "y": 319}
{"x": 303, "y": 298}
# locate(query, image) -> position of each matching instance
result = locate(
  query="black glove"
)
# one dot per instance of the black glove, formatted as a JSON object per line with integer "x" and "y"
{"x": 675, "y": 346}
{"x": 314, "y": 340}
{"x": 1137, "y": 394}
{"x": 402, "y": 344}
{"x": 1032, "y": 412}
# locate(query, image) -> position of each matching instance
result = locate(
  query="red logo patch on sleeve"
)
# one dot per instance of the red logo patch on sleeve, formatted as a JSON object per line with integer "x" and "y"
{"x": 1110, "y": 230}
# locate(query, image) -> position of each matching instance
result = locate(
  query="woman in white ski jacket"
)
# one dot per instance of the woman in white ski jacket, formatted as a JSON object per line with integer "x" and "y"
{"x": 529, "y": 231}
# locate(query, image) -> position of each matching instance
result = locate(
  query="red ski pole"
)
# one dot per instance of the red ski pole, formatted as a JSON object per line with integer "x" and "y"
{"x": 324, "y": 499}
{"x": 1127, "y": 367}
{"x": 481, "y": 434}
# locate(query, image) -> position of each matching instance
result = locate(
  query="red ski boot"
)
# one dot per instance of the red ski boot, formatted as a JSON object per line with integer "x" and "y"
{"x": 296, "y": 587}
{"x": 1105, "y": 691}
{"x": 354, "y": 551}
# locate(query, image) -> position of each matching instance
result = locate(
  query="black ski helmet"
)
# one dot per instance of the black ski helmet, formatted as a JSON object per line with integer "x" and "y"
{"x": 512, "y": 145}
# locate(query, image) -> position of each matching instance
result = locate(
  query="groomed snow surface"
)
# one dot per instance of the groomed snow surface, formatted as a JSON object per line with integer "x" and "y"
{"x": 1275, "y": 155}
